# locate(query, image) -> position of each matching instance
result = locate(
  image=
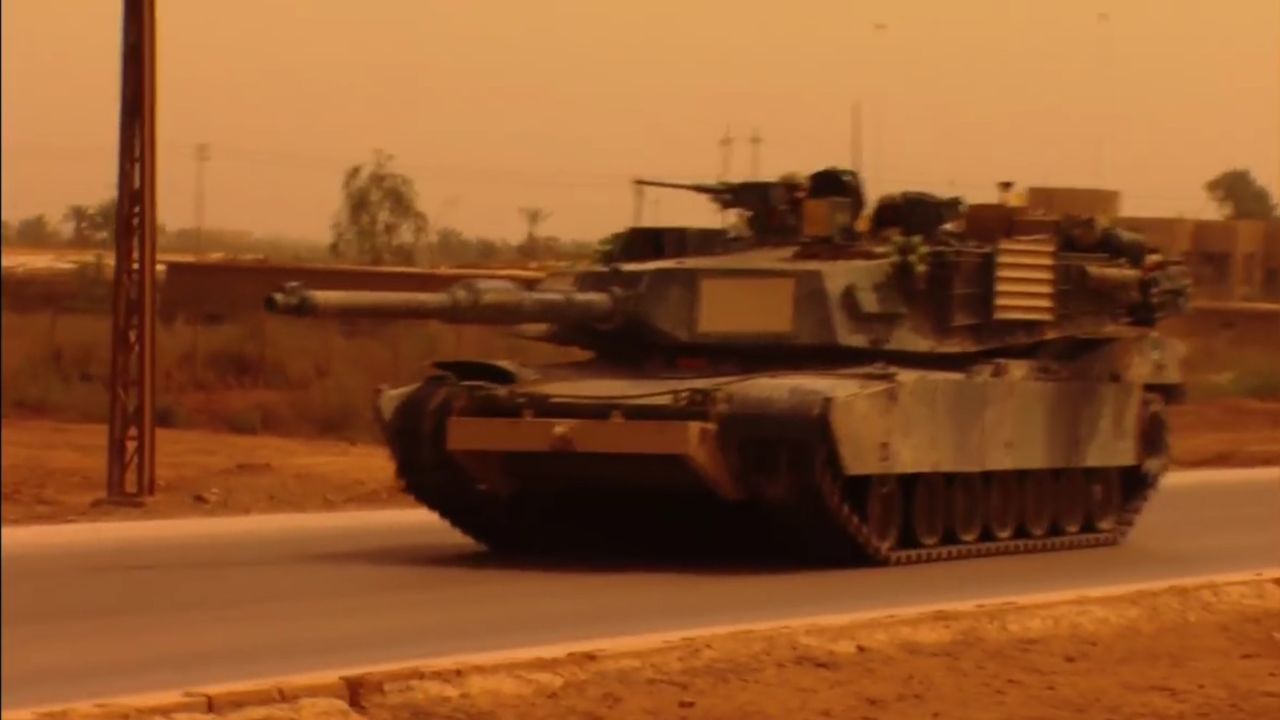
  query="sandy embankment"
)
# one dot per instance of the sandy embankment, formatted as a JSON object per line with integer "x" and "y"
{"x": 1209, "y": 650}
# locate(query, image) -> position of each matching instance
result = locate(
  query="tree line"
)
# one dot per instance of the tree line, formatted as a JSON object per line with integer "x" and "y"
{"x": 379, "y": 222}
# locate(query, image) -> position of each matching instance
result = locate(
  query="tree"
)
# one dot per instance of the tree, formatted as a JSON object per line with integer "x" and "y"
{"x": 534, "y": 247}
{"x": 607, "y": 248}
{"x": 533, "y": 217}
{"x": 101, "y": 224}
{"x": 35, "y": 230}
{"x": 451, "y": 247}
{"x": 79, "y": 217}
{"x": 378, "y": 221}
{"x": 7, "y": 237}
{"x": 1240, "y": 196}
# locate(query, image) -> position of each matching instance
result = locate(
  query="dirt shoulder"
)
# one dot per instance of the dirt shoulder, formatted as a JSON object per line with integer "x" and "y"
{"x": 1235, "y": 432}
{"x": 53, "y": 472}
{"x": 1205, "y": 650}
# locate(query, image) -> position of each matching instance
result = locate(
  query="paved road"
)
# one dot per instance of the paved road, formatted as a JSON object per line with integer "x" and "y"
{"x": 102, "y": 610}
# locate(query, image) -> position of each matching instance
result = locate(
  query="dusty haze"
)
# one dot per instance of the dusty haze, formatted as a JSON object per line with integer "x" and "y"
{"x": 494, "y": 104}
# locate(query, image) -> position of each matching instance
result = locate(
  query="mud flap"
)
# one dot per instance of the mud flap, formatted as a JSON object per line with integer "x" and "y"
{"x": 766, "y": 426}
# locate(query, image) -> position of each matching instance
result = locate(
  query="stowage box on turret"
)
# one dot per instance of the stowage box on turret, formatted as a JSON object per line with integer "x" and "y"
{"x": 909, "y": 392}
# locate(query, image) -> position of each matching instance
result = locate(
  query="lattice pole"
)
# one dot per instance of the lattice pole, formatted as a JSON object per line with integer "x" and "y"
{"x": 131, "y": 447}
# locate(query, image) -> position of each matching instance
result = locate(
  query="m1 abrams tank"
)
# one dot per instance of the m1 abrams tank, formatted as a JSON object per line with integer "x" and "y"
{"x": 908, "y": 393}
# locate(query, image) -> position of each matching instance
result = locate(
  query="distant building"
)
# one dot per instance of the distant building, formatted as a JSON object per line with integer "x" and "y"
{"x": 1229, "y": 259}
{"x": 1235, "y": 260}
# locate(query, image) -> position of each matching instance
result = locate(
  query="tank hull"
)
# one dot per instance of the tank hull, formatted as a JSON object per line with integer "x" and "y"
{"x": 873, "y": 463}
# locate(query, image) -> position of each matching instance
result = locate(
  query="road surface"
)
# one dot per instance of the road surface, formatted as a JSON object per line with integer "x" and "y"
{"x": 108, "y": 609}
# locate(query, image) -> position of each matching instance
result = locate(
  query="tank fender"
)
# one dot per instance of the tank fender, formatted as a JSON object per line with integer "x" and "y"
{"x": 496, "y": 372}
{"x": 772, "y": 411}
{"x": 758, "y": 421}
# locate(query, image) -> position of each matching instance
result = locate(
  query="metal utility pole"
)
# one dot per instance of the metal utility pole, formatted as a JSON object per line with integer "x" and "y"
{"x": 130, "y": 442}
{"x": 202, "y": 157}
{"x": 726, "y": 154}
{"x": 637, "y": 203}
{"x": 1105, "y": 71}
{"x": 855, "y": 137}
{"x": 726, "y": 158}
{"x": 755, "y": 141}
{"x": 880, "y": 59}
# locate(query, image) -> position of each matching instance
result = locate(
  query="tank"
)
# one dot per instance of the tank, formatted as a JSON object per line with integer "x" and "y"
{"x": 906, "y": 392}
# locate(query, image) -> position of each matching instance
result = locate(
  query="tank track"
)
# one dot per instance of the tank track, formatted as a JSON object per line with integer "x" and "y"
{"x": 812, "y": 515}
{"x": 531, "y": 524}
{"x": 825, "y": 522}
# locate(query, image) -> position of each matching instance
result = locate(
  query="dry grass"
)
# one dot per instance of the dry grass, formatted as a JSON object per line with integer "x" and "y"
{"x": 285, "y": 376}
{"x": 274, "y": 375}
{"x": 1230, "y": 355}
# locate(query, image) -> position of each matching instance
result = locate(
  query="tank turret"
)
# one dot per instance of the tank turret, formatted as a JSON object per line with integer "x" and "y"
{"x": 884, "y": 298}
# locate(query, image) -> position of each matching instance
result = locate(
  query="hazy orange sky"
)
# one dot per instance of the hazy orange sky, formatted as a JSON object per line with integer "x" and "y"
{"x": 494, "y": 104}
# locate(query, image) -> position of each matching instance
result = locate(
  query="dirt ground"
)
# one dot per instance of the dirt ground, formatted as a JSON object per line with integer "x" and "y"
{"x": 54, "y": 472}
{"x": 1236, "y": 432}
{"x": 1208, "y": 652}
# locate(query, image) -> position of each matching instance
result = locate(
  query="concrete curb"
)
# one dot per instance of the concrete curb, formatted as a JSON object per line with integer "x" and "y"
{"x": 356, "y": 686}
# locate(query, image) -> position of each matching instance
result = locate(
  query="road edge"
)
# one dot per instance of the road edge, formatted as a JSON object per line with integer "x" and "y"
{"x": 23, "y": 536}
{"x": 355, "y": 685}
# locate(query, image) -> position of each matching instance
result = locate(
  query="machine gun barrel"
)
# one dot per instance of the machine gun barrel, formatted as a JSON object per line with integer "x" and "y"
{"x": 495, "y": 302}
{"x": 704, "y": 188}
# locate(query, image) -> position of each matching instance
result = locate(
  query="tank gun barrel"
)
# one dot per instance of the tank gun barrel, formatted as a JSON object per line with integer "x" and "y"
{"x": 498, "y": 302}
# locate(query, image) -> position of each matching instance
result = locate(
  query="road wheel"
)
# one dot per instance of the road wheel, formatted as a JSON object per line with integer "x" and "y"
{"x": 1070, "y": 501}
{"x": 882, "y": 500}
{"x": 1103, "y": 498}
{"x": 967, "y": 504}
{"x": 1037, "y": 502}
{"x": 831, "y": 518}
{"x": 1002, "y": 504}
{"x": 928, "y": 509}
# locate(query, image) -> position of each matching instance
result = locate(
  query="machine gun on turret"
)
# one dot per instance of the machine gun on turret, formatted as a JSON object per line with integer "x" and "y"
{"x": 771, "y": 207}
{"x": 789, "y": 208}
